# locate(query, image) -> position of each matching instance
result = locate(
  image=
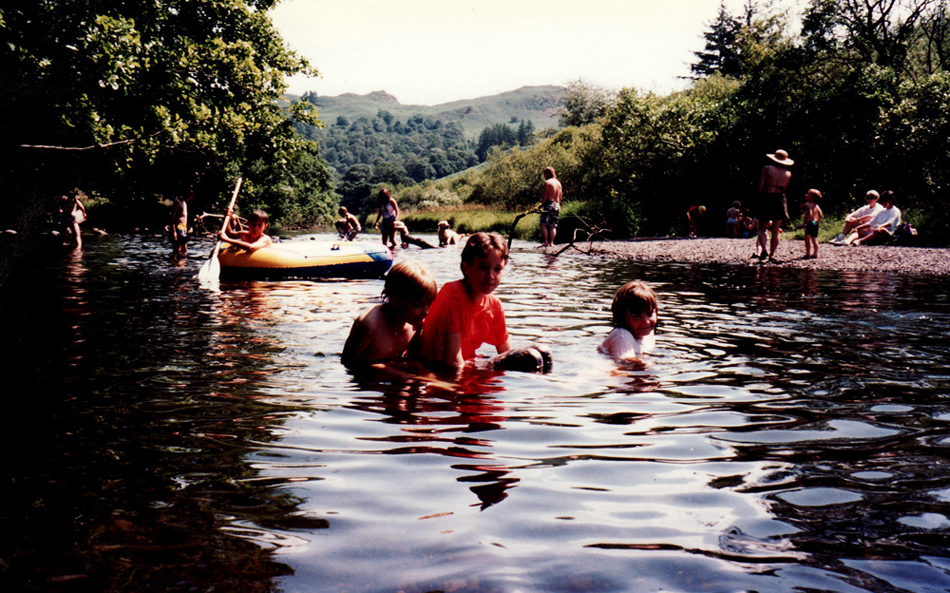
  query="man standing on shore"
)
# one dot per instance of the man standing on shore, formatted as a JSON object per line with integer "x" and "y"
{"x": 550, "y": 207}
{"x": 772, "y": 207}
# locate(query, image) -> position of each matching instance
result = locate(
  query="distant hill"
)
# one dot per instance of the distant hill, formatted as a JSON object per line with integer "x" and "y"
{"x": 537, "y": 104}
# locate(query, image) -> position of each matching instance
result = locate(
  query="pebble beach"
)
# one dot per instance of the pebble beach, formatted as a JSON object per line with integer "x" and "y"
{"x": 863, "y": 258}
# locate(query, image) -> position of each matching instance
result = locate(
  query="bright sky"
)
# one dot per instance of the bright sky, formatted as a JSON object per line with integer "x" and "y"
{"x": 428, "y": 52}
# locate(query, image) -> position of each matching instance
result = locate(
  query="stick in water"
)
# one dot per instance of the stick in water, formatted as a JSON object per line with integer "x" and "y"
{"x": 211, "y": 269}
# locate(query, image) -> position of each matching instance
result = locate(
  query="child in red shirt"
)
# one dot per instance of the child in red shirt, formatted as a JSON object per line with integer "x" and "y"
{"x": 466, "y": 314}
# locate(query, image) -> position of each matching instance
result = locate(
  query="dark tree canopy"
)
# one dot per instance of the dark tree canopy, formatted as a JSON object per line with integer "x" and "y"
{"x": 109, "y": 94}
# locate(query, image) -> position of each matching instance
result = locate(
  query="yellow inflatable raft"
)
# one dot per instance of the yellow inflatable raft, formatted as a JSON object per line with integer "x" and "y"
{"x": 306, "y": 259}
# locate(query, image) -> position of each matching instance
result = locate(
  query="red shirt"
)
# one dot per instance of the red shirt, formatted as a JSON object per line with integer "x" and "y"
{"x": 454, "y": 312}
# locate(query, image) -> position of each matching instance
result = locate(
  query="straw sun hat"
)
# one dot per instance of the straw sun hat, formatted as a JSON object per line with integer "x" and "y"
{"x": 781, "y": 157}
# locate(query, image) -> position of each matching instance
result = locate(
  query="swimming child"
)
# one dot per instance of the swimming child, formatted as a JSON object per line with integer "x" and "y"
{"x": 811, "y": 214}
{"x": 634, "y": 311}
{"x": 466, "y": 314}
{"x": 251, "y": 239}
{"x": 385, "y": 331}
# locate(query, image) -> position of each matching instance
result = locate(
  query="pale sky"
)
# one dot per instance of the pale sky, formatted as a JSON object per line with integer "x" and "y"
{"x": 428, "y": 52}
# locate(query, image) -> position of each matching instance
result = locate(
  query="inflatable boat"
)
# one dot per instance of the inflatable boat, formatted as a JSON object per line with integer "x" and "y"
{"x": 306, "y": 259}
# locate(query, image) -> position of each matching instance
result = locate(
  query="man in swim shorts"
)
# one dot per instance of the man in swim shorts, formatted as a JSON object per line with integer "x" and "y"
{"x": 550, "y": 206}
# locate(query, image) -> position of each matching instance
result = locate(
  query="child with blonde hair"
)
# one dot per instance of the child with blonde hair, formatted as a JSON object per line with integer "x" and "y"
{"x": 634, "y": 310}
{"x": 385, "y": 331}
{"x": 811, "y": 215}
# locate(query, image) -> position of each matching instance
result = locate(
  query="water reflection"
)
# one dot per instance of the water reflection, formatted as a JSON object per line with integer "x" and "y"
{"x": 789, "y": 433}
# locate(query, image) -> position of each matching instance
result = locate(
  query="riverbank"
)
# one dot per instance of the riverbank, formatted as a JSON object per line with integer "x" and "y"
{"x": 876, "y": 258}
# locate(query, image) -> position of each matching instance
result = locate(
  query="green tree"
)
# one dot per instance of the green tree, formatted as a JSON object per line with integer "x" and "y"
{"x": 877, "y": 32}
{"x": 721, "y": 54}
{"x": 96, "y": 93}
{"x": 584, "y": 103}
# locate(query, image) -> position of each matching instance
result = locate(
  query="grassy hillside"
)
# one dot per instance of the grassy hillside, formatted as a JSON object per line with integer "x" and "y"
{"x": 537, "y": 104}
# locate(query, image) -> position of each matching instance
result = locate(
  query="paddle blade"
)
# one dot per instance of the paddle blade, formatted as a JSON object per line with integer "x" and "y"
{"x": 211, "y": 269}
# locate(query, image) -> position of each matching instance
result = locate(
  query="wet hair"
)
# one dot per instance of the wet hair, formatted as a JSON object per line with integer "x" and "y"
{"x": 888, "y": 196}
{"x": 549, "y": 172}
{"x": 257, "y": 216}
{"x": 410, "y": 279}
{"x": 479, "y": 244}
{"x": 634, "y": 297}
{"x": 383, "y": 196}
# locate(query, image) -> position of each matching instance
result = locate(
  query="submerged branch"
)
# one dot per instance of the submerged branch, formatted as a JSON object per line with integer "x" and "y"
{"x": 592, "y": 232}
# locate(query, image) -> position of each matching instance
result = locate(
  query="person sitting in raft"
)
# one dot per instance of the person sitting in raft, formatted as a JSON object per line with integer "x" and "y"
{"x": 251, "y": 239}
{"x": 881, "y": 228}
{"x": 385, "y": 332}
{"x": 466, "y": 314}
{"x": 859, "y": 216}
{"x": 353, "y": 227}
{"x": 634, "y": 310}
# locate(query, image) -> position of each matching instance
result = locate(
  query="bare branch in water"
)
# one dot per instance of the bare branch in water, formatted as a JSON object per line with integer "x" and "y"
{"x": 592, "y": 231}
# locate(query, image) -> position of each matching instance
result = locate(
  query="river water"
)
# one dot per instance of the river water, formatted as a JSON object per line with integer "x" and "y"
{"x": 791, "y": 433}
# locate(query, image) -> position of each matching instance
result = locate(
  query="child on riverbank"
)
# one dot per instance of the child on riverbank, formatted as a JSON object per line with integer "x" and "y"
{"x": 732, "y": 220}
{"x": 253, "y": 238}
{"x": 466, "y": 314}
{"x": 634, "y": 310}
{"x": 811, "y": 215}
{"x": 385, "y": 331}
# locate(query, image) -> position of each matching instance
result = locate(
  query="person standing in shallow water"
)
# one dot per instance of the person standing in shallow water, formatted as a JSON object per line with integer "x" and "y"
{"x": 386, "y": 217}
{"x": 771, "y": 208}
{"x": 550, "y": 206}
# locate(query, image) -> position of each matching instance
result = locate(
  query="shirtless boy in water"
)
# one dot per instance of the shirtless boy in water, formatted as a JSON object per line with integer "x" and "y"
{"x": 384, "y": 332}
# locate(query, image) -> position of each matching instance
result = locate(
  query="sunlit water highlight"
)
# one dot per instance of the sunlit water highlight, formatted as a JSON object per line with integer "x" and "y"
{"x": 790, "y": 433}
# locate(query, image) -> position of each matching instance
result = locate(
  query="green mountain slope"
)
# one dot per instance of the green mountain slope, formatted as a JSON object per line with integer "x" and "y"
{"x": 537, "y": 104}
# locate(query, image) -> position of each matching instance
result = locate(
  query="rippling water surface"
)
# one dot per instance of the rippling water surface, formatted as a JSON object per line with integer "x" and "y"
{"x": 791, "y": 433}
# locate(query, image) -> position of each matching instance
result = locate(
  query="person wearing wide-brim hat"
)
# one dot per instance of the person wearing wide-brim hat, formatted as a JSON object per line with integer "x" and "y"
{"x": 771, "y": 207}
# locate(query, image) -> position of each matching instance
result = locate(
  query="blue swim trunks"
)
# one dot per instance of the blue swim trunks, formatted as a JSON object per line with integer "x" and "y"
{"x": 811, "y": 228}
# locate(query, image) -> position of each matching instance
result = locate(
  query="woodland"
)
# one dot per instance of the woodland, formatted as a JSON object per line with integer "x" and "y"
{"x": 134, "y": 103}
{"x": 859, "y": 96}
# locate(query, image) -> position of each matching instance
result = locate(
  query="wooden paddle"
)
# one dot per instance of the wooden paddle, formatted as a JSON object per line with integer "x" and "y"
{"x": 212, "y": 268}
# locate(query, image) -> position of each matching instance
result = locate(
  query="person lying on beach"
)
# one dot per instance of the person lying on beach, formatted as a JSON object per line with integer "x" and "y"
{"x": 253, "y": 238}
{"x": 634, "y": 311}
{"x": 385, "y": 332}
{"x": 466, "y": 314}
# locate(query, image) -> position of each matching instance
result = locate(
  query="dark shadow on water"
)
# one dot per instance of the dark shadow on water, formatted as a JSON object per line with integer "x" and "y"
{"x": 122, "y": 470}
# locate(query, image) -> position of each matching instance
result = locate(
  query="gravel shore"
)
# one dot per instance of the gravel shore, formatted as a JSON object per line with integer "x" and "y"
{"x": 903, "y": 260}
